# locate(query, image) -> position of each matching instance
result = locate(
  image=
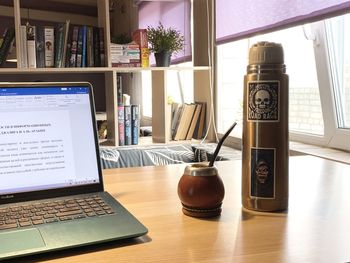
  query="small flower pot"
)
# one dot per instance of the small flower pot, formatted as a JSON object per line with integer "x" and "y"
{"x": 162, "y": 59}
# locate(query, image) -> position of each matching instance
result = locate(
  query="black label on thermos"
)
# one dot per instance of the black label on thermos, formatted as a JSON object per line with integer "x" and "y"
{"x": 263, "y": 102}
{"x": 262, "y": 174}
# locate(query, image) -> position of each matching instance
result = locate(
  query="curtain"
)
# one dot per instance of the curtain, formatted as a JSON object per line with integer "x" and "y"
{"x": 175, "y": 14}
{"x": 236, "y": 19}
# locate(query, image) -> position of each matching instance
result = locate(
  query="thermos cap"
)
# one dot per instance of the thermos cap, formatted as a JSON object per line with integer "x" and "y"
{"x": 266, "y": 53}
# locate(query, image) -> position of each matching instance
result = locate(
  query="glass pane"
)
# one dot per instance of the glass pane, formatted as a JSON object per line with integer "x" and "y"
{"x": 338, "y": 38}
{"x": 180, "y": 84}
{"x": 231, "y": 67}
{"x": 305, "y": 113}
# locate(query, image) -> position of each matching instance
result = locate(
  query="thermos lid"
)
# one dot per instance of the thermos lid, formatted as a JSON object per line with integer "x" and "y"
{"x": 266, "y": 53}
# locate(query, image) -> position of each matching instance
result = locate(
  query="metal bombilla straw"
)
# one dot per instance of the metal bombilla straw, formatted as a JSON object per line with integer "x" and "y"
{"x": 211, "y": 163}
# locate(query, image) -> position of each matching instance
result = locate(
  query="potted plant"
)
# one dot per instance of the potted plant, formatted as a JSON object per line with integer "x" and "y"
{"x": 163, "y": 42}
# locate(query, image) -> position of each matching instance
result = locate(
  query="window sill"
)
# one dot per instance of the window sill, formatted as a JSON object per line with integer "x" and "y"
{"x": 323, "y": 152}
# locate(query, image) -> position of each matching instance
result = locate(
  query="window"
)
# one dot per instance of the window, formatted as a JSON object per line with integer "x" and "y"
{"x": 304, "y": 100}
{"x": 317, "y": 57}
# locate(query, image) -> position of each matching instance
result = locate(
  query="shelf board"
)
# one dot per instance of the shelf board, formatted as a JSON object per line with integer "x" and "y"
{"x": 178, "y": 68}
{"x": 52, "y": 70}
{"x": 93, "y": 70}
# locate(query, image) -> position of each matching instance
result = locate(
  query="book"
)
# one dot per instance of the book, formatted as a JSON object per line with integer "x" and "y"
{"x": 74, "y": 47}
{"x": 65, "y": 39}
{"x": 127, "y": 124}
{"x": 80, "y": 47}
{"x": 69, "y": 47}
{"x": 185, "y": 121}
{"x": 127, "y": 65}
{"x": 102, "y": 47}
{"x": 90, "y": 47}
{"x": 61, "y": 36}
{"x": 194, "y": 121}
{"x": 178, "y": 108}
{"x": 23, "y": 46}
{"x": 135, "y": 124}
{"x": 84, "y": 51}
{"x": 121, "y": 130}
{"x": 49, "y": 34}
{"x": 58, "y": 44}
{"x": 173, "y": 112}
{"x": 8, "y": 38}
{"x": 140, "y": 37}
{"x": 31, "y": 47}
{"x": 200, "y": 127}
{"x": 40, "y": 46}
{"x": 119, "y": 89}
{"x": 96, "y": 46}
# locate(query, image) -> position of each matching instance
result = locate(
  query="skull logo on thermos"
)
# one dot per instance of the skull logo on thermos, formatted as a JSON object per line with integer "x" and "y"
{"x": 262, "y": 99}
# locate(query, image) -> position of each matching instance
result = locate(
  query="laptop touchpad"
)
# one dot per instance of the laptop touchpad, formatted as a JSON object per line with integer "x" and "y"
{"x": 20, "y": 240}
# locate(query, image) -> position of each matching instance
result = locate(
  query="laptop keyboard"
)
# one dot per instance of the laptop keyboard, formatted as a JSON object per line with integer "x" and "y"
{"x": 46, "y": 212}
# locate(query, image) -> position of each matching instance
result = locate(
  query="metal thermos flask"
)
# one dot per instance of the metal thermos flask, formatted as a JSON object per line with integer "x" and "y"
{"x": 265, "y": 130}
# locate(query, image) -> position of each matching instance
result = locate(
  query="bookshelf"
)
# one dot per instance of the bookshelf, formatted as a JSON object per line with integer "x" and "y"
{"x": 161, "y": 118}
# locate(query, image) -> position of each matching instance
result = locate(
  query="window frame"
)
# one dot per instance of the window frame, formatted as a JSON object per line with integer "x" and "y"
{"x": 334, "y": 136}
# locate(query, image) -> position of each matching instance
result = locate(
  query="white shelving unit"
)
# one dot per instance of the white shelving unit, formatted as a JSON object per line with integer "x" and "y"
{"x": 161, "y": 121}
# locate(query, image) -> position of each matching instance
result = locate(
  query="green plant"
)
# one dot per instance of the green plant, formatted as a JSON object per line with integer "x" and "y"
{"x": 164, "y": 39}
{"x": 123, "y": 38}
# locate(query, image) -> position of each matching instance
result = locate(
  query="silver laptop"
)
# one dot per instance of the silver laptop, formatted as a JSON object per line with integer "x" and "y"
{"x": 51, "y": 188}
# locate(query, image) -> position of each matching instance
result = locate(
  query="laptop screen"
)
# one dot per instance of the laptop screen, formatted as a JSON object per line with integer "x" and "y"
{"x": 47, "y": 138}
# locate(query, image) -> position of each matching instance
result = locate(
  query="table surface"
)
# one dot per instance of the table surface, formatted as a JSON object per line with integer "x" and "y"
{"x": 316, "y": 227}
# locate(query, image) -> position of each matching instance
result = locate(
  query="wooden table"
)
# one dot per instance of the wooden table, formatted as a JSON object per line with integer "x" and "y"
{"x": 316, "y": 227}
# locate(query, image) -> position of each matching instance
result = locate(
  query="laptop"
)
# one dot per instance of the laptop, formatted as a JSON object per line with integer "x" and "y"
{"x": 51, "y": 188}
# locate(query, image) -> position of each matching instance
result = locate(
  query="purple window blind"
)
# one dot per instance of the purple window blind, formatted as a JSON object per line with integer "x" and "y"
{"x": 175, "y": 14}
{"x": 243, "y": 18}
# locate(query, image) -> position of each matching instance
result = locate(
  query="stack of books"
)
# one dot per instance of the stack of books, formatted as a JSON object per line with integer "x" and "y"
{"x": 133, "y": 54}
{"x": 188, "y": 121}
{"x": 125, "y": 55}
{"x": 62, "y": 46}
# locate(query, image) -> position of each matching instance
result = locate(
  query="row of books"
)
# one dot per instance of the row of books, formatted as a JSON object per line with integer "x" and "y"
{"x": 188, "y": 121}
{"x": 128, "y": 117}
{"x": 62, "y": 46}
{"x": 128, "y": 124}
